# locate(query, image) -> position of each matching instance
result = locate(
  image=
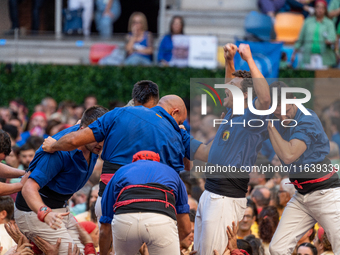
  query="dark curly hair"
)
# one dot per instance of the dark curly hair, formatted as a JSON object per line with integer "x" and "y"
{"x": 268, "y": 221}
{"x": 247, "y": 81}
{"x": 310, "y": 246}
{"x": 145, "y": 90}
{"x": 5, "y": 143}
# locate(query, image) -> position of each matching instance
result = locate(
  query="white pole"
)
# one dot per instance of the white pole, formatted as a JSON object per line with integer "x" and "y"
{"x": 58, "y": 18}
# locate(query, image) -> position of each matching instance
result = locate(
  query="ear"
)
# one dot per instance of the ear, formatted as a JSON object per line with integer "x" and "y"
{"x": 3, "y": 215}
{"x": 175, "y": 111}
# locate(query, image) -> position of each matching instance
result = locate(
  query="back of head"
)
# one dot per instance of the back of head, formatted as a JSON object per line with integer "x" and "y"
{"x": 144, "y": 91}
{"x": 279, "y": 85}
{"x": 247, "y": 80}
{"x": 5, "y": 143}
{"x": 35, "y": 141}
{"x": 92, "y": 114}
{"x": 261, "y": 196}
{"x": 256, "y": 244}
{"x": 171, "y": 102}
{"x": 11, "y": 130}
{"x": 310, "y": 246}
{"x": 268, "y": 221}
{"x": 244, "y": 245}
{"x": 7, "y": 205}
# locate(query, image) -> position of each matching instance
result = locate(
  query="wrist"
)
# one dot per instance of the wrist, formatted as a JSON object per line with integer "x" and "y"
{"x": 43, "y": 211}
{"x": 89, "y": 249}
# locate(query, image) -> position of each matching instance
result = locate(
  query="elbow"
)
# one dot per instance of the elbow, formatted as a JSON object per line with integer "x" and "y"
{"x": 73, "y": 142}
{"x": 289, "y": 159}
{"x": 266, "y": 100}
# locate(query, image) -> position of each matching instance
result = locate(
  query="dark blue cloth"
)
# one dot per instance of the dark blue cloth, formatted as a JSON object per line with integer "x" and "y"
{"x": 129, "y": 130}
{"x": 237, "y": 145}
{"x": 64, "y": 172}
{"x": 309, "y": 130}
{"x": 165, "y": 49}
{"x": 268, "y": 150}
{"x": 142, "y": 172}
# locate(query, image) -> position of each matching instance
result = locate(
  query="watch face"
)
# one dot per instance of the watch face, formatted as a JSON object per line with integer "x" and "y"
{"x": 43, "y": 209}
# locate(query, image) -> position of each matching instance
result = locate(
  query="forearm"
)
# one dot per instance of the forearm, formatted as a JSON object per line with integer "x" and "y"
{"x": 31, "y": 196}
{"x": 146, "y": 51}
{"x": 104, "y": 238}
{"x": 183, "y": 225}
{"x": 260, "y": 85}
{"x": 281, "y": 147}
{"x": 202, "y": 152}
{"x": 334, "y": 13}
{"x": 229, "y": 70}
{"x": 129, "y": 45}
{"x": 10, "y": 172}
{"x": 9, "y": 188}
{"x": 109, "y": 6}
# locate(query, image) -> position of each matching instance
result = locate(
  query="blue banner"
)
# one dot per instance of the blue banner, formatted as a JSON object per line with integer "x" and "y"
{"x": 266, "y": 56}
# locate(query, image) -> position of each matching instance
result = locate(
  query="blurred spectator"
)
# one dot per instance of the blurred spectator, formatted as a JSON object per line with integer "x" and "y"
{"x": 308, "y": 237}
{"x": 244, "y": 245}
{"x": 140, "y": 43}
{"x": 53, "y": 127}
{"x": 79, "y": 199}
{"x": 6, "y": 214}
{"x": 19, "y": 110}
{"x": 322, "y": 243}
{"x": 78, "y": 111}
{"x": 307, "y": 249}
{"x": 14, "y": 14}
{"x": 93, "y": 230}
{"x": 91, "y": 200}
{"x": 271, "y": 7}
{"x": 26, "y": 155}
{"x": 36, "y": 127}
{"x": 256, "y": 244}
{"x": 316, "y": 38}
{"x": 165, "y": 47}
{"x": 5, "y": 114}
{"x": 334, "y": 12}
{"x": 285, "y": 194}
{"x": 87, "y": 15}
{"x": 5, "y": 145}
{"x": 188, "y": 242}
{"x": 261, "y": 197}
{"x": 49, "y": 106}
{"x": 335, "y": 127}
{"x": 35, "y": 141}
{"x": 107, "y": 12}
{"x": 192, "y": 202}
{"x": 13, "y": 158}
{"x": 89, "y": 101}
{"x": 302, "y": 6}
{"x": 249, "y": 219}
{"x": 268, "y": 221}
{"x": 12, "y": 132}
{"x": 18, "y": 124}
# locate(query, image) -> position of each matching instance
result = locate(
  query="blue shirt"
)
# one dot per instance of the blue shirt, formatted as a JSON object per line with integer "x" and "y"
{"x": 64, "y": 172}
{"x": 237, "y": 145}
{"x": 309, "y": 130}
{"x": 165, "y": 49}
{"x": 142, "y": 172}
{"x": 129, "y": 130}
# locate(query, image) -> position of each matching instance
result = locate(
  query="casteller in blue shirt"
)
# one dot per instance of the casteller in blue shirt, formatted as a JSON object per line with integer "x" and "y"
{"x": 143, "y": 172}
{"x": 59, "y": 174}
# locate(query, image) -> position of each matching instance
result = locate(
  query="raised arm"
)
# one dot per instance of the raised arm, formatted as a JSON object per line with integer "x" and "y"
{"x": 288, "y": 152}
{"x": 10, "y": 172}
{"x": 70, "y": 141}
{"x": 260, "y": 84}
{"x": 229, "y": 53}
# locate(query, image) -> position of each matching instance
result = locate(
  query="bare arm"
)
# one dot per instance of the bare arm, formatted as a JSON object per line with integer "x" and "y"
{"x": 229, "y": 53}
{"x": 130, "y": 43}
{"x": 70, "y": 141}
{"x": 11, "y": 188}
{"x": 334, "y": 13}
{"x": 202, "y": 152}
{"x": 10, "y": 172}
{"x": 148, "y": 50}
{"x": 286, "y": 151}
{"x": 260, "y": 84}
{"x": 183, "y": 225}
{"x": 105, "y": 238}
{"x": 108, "y": 7}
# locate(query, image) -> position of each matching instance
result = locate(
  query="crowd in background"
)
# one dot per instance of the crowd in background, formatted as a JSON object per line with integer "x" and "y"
{"x": 268, "y": 194}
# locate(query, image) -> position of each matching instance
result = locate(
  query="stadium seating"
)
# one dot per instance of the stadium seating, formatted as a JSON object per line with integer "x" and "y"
{"x": 288, "y": 26}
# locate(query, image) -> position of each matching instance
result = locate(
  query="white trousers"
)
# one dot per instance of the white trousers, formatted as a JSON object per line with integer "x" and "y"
{"x": 87, "y": 13}
{"x": 131, "y": 230}
{"x": 214, "y": 214}
{"x": 31, "y": 226}
{"x": 98, "y": 209}
{"x": 301, "y": 213}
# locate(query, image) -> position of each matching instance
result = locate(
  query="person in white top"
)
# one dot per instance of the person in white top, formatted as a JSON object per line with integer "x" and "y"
{"x": 6, "y": 213}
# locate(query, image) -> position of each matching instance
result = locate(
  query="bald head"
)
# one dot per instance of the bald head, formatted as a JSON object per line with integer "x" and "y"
{"x": 174, "y": 105}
